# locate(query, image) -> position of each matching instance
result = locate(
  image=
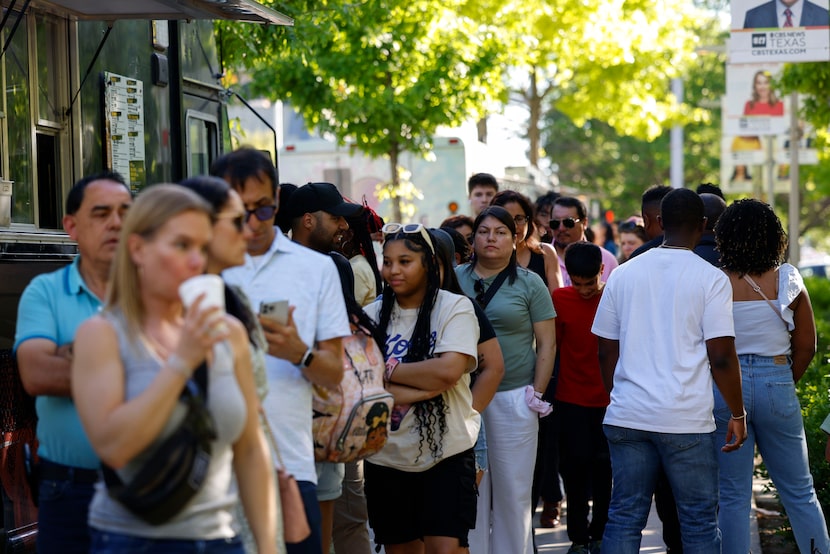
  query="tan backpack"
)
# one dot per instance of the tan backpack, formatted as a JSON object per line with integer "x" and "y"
{"x": 352, "y": 422}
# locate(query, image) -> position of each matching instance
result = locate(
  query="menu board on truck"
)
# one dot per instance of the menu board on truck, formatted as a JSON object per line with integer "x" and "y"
{"x": 124, "y": 116}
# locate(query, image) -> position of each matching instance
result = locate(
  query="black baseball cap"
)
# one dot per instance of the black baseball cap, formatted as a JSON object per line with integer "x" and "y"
{"x": 315, "y": 197}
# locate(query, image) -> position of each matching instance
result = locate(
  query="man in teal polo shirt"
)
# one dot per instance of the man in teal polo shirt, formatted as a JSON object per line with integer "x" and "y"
{"x": 51, "y": 309}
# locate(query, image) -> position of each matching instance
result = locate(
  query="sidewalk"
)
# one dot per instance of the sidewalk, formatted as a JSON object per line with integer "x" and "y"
{"x": 555, "y": 541}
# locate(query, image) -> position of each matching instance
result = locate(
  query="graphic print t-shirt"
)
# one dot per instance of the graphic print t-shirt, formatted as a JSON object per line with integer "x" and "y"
{"x": 454, "y": 329}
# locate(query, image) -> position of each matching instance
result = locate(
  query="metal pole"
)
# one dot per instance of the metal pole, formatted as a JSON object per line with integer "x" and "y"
{"x": 795, "y": 187}
{"x": 676, "y": 148}
{"x": 770, "y": 173}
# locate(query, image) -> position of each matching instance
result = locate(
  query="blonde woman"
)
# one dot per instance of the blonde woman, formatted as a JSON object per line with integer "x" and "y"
{"x": 131, "y": 364}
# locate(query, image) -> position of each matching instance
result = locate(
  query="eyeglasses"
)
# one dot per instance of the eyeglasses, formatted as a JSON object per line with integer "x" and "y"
{"x": 568, "y": 222}
{"x": 262, "y": 213}
{"x": 409, "y": 229}
{"x": 238, "y": 220}
{"x": 520, "y": 219}
{"x": 478, "y": 287}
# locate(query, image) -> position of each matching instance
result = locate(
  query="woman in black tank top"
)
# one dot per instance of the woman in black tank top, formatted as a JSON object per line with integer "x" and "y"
{"x": 531, "y": 254}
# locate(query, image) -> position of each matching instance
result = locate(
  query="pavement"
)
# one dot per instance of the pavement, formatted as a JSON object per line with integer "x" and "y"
{"x": 555, "y": 541}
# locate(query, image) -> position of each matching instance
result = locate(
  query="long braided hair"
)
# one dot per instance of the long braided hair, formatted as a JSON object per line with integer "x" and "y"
{"x": 431, "y": 415}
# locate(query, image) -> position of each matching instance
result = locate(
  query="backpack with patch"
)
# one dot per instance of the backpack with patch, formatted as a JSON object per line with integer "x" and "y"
{"x": 351, "y": 422}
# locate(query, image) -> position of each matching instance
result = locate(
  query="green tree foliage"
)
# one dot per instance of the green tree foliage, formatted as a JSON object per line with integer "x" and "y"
{"x": 609, "y": 61}
{"x": 381, "y": 74}
{"x": 595, "y": 158}
{"x": 812, "y": 82}
{"x": 813, "y": 391}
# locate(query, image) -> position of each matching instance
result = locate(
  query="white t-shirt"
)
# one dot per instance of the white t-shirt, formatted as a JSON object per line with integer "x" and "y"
{"x": 454, "y": 329}
{"x": 662, "y": 306}
{"x": 310, "y": 281}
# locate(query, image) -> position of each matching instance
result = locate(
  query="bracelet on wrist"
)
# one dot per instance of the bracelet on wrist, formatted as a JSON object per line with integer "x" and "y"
{"x": 178, "y": 365}
{"x": 391, "y": 365}
{"x": 740, "y": 417}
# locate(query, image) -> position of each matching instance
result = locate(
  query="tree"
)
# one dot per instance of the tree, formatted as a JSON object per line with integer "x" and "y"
{"x": 596, "y": 159}
{"x": 609, "y": 61}
{"x": 383, "y": 75}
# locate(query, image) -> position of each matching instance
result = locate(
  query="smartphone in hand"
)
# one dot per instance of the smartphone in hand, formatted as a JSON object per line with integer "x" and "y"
{"x": 276, "y": 311}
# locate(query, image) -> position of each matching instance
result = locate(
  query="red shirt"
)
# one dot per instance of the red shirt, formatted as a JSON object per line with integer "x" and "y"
{"x": 764, "y": 108}
{"x": 580, "y": 380}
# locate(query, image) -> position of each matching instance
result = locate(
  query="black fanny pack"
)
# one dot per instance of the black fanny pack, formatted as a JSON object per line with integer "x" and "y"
{"x": 178, "y": 466}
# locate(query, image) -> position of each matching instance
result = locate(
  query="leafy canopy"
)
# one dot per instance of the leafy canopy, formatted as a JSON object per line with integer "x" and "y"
{"x": 382, "y": 74}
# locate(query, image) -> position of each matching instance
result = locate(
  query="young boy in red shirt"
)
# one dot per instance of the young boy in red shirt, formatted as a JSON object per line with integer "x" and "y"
{"x": 581, "y": 399}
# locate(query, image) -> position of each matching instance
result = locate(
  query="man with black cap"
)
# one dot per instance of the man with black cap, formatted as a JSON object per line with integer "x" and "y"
{"x": 307, "y": 349}
{"x": 318, "y": 215}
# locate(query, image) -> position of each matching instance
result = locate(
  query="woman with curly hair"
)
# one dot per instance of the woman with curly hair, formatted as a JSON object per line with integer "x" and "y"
{"x": 519, "y": 306}
{"x": 775, "y": 337}
{"x": 420, "y": 488}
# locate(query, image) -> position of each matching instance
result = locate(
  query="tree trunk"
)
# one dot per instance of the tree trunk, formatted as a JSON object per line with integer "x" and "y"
{"x": 395, "y": 184}
{"x": 534, "y": 103}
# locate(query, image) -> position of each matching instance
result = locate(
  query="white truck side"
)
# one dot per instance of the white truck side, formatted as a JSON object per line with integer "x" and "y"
{"x": 442, "y": 180}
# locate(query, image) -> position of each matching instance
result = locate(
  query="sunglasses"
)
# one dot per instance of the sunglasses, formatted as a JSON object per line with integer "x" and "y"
{"x": 263, "y": 213}
{"x": 478, "y": 287}
{"x": 238, "y": 220}
{"x": 568, "y": 222}
{"x": 409, "y": 229}
{"x": 629, "y": 226}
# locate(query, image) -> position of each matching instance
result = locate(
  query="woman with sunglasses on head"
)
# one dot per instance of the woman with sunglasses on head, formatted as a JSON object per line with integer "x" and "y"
{"x": 420, "y": 488}
{"x": 227, "y": 249}
{"x": 519, "y": 306}
{"x": 131, "y": 365}
{"x": 775, "y": 338}
{"x": 531, "y": 253}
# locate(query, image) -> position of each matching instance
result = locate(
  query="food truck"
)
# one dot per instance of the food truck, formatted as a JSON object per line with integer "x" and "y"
{"x": 92, "y": 85}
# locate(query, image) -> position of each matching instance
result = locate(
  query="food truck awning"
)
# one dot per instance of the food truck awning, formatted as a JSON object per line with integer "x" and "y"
{"x": 109, "y": 10}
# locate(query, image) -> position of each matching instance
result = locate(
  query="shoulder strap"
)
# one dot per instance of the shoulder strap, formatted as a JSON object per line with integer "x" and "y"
{"x": 757, "y": 289}
{"x": 494, "y": 288}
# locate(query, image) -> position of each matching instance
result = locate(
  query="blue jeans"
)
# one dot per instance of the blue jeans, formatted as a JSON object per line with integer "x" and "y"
{"x": 105, "y": 542}
{"x": 62, "y": 516}
{"x": 691, "y": 467}
{"x": 314, "y": 543}
{"x": 774, "y": 424}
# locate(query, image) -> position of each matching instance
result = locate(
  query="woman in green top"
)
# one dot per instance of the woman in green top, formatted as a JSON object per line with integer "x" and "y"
{"x": 521, "y": 311}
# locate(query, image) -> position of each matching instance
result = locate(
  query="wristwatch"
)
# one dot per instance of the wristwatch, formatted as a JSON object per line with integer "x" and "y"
{"x": 307, "y": 358}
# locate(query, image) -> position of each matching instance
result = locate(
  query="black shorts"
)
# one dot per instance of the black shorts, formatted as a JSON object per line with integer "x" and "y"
{"x": 407, "y": 506}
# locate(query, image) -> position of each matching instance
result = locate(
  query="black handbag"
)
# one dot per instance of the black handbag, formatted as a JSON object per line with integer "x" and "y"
{"x": 178, "y": 466}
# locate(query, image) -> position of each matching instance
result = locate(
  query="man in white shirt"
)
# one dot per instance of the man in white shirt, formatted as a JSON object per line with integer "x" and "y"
{"x": 305, "y": 351}
{"x": 665, "y": 332}
{"x": 317, "y": 214}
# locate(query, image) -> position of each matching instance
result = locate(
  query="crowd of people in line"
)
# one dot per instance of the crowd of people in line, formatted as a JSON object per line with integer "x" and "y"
{"x": 527, "y": 351}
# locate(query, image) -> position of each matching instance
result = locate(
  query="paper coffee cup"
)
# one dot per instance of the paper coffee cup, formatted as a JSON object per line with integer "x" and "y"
{"x": 212, "y": 286}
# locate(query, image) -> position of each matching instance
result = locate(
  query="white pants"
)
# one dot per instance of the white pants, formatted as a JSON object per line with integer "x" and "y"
{"x": 512, "y": 434}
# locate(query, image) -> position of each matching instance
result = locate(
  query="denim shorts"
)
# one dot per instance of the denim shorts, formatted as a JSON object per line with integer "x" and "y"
{"x": 480, "y": 449}
{"x": 329, "y": 480}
